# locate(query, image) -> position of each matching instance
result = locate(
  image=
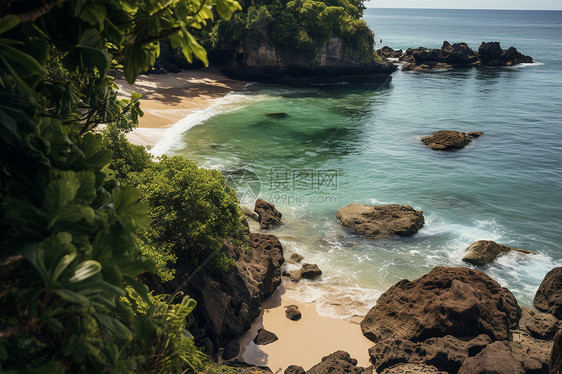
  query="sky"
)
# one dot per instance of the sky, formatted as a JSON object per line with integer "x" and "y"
{"x": 467, "y": 4}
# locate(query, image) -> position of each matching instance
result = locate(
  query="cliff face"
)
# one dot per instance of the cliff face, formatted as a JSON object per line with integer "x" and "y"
{"x": 335, "y": 63}
{"x": 227, "y": 301}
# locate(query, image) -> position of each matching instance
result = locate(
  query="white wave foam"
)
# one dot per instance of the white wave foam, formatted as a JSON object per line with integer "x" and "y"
{"x": 527, "y": 65}
{"x": 228, "y": 103}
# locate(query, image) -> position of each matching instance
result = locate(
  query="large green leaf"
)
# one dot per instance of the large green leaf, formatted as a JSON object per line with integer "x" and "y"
{"x": 85, "y": 270}
{"x": 131, "y": 211}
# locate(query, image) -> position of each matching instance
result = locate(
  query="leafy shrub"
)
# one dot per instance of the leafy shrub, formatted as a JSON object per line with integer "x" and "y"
{"x": 69, "y": 234}
{"x": 191, "y": 211}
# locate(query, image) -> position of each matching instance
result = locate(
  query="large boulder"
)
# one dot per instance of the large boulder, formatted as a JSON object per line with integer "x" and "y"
{"x": 268, "y": 216}
{"x": 447, "y": 301}
{"x": 379, "y": 222}
{"x": 449, "y": 140}
{"x": 483, "y": 252}
{"x": 446, "y": 354}
{"x": 339, "y": 362}
{"x": 549, "y": 295}
{"x": 543, "y": 326}
{"x": 507, "y": 357}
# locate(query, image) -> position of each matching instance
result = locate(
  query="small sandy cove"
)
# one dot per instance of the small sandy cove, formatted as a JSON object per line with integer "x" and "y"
{"x": 167, "y": 98}
{"x": 303, "y": 342}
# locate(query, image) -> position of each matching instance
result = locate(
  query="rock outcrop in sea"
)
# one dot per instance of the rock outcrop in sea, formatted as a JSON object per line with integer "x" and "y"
{"x": 268, "y": 216}
{"x": 483, "y": 252}
{"x": 336, "y": 62}
{"x": 457, "y": 55}
{"x": 383, "y": 221}
{"x": 449, "y": 140}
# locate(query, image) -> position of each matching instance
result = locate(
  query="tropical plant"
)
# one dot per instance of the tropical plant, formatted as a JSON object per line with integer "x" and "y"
{"x": 69, "y": 246}
{"x": 191, "y": 212}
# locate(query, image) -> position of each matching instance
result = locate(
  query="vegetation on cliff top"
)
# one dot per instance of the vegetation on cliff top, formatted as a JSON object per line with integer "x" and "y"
{"x": 70, "y": 253}
{"x": 291, "y": 26}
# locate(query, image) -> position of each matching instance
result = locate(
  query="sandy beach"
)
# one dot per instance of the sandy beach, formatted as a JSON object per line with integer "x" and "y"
{"x": 167, "y": 98}
{"x": 303, "y": 342}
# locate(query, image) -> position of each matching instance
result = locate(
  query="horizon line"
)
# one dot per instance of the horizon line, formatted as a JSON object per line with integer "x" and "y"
{"x": 503, "y": 9}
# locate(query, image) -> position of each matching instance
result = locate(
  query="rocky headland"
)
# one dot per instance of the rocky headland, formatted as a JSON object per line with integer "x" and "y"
{"x": 336, "y": 62}
{"x": 454, "y": 56}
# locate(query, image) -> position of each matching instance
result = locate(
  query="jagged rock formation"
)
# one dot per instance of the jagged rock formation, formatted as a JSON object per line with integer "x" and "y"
{"x": 458, "y": 55}
{"x": 268, "y": 216}
{"x": 336, "y": 62}
{"x": 379, "y": 222}
{"x": 228, "y": 301}
{"x": 458, "y": 320}
{"x": 460, "y": 302}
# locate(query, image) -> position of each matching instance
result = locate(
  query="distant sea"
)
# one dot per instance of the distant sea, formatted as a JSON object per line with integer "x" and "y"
{"x": 345, "y": 143}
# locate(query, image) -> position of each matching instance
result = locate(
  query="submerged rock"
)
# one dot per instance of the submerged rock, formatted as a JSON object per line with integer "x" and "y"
{"x": 483, "y": 252}
{"x": 339, "y": 362}
{"x": 460, "y": 302}
{"x": 277, "y": 115}
{"x": 310, "y": 271}
{"x": 269, "y": 216}
{"x": 379, "y": 222}
{"x": 449, "y": 140}
{"x": 549, "y": 295}
{"x": 293, "y": 313}
{"x": 265, "y": 337}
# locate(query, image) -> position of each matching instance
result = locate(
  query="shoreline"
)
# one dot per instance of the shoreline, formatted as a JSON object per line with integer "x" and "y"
{"x": 314, "y": 334}
{"x": 169, "y": 98}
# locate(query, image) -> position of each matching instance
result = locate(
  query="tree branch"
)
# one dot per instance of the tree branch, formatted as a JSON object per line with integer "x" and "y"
{"x": 32, "y": 14}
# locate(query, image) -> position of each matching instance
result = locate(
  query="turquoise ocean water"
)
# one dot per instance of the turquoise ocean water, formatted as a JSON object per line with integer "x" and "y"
{"x": 346, "y": 143}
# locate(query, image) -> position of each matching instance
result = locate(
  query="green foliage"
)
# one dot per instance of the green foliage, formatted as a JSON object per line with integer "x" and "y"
{"x": 69, "y": 246}
{"x": 191, "y": 211}
{"x": 301, "y": 25}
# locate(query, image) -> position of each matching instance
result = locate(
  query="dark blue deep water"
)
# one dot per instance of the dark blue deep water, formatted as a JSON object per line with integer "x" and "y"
{"x": 506, "y": 186}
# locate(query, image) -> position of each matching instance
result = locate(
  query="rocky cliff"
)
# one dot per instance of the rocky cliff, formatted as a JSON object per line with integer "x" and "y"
{"x": 227, "y": 301}
{"x": 335, "y": 62}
